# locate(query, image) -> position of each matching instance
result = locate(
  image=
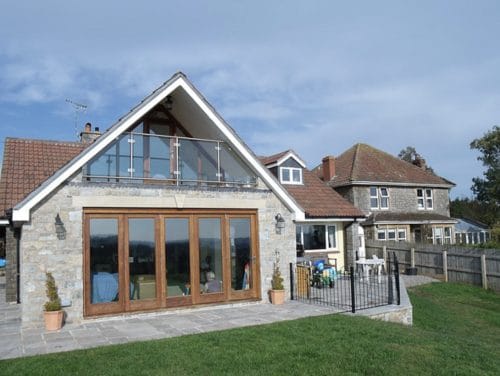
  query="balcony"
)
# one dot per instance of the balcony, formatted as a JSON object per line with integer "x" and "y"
{"x": 142, "y": 158}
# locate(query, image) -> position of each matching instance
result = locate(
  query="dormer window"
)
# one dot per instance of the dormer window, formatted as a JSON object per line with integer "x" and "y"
{"x": 290, "y": 175}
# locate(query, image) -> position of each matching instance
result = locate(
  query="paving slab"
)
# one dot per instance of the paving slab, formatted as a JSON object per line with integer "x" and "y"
{"x": 17, "y": 341}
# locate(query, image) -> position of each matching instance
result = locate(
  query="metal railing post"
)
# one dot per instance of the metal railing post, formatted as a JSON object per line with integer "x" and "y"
{"x": 390, "y": 295}
{"x": 353, "y": 295}
{"x": 291, "y": 281}
{"x": 396, "y": 278}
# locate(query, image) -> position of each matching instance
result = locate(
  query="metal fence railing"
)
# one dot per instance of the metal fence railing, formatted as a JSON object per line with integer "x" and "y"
{"x": 349, "y": 291}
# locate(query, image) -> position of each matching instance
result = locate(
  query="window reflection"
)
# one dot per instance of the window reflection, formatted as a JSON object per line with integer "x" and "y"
{"x": 142, "y": 258}
{"x": 240, "y": 245}
{"x": 210, "y": 246}
{"x": 103, "y": 260}
{"x": 177, "y": 257}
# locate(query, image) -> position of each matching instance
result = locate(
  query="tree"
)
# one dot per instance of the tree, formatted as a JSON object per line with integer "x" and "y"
{"x": 410, "y": 155}
{"x": 487, "y": 189}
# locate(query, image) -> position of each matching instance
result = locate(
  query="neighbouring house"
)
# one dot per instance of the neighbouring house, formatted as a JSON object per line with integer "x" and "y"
{"x": 403, "y": 201}
{"x": 469, "y": 231}
{"x": 166, "y": 208}
{"x": 329, "y": 218}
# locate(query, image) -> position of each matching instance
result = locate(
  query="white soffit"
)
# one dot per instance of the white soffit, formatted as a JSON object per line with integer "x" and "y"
{"x": 21, "y": 212}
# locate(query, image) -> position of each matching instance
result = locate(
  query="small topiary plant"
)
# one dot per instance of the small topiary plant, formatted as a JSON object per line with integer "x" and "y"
{"x": 54, "y": 302}
{"x": 277, "y": 280}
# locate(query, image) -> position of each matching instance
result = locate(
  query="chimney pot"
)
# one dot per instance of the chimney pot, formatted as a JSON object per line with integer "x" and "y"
{"x": 96, "y": 129}
{"x": 88, "y": 127}
{"x": 328, "y": 167}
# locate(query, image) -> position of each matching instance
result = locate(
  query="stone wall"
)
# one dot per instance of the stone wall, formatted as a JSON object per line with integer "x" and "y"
{"x": 401, "y": 200}
{"x": 42, "y": 251}
{"x": 11, "y": 246}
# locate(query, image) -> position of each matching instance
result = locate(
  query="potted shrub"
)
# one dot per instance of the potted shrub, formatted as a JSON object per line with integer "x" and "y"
{"x": 53, "y": 313}
{"x": 277, "y": 290}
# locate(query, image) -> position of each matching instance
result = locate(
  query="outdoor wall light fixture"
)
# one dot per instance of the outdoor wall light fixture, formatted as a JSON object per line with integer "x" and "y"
{"x": 280, "y": 223}
{"x": 60, "y": 230}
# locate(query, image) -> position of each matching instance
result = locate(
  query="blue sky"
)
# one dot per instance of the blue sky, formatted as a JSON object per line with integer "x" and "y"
{"x": 317, "y": 77}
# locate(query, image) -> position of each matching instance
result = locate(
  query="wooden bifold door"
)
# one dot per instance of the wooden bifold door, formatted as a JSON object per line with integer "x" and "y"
{"x": 141, "y": 260}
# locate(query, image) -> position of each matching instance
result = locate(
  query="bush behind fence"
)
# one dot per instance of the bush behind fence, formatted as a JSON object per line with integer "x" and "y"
{"x": 468, "y": 265}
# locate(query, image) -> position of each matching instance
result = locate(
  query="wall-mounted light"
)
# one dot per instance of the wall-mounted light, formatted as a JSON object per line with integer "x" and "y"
{"x": 169, "y": 103}
{"x": 60, "y": 230}
{"x": 280, "y": 223}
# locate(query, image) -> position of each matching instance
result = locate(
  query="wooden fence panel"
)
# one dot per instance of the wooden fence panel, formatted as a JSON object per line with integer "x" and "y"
{"x": 463, "y": 264}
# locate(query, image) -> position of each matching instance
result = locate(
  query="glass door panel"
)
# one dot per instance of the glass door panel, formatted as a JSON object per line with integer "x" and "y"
{"x": 104, "y": 279}
{"x": 240, "y": 243}
{"x": 177, "y": 257}
{"x": 141, "y": 258}
{"x": 210, "y": 255}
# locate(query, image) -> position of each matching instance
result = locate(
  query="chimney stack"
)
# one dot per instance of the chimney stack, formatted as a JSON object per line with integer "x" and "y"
{"x": 87, "y": 136}
{"x": 328, "y": 167}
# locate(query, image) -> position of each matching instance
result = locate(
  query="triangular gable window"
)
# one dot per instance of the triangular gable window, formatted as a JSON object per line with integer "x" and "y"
{"x": 158, "y": 151}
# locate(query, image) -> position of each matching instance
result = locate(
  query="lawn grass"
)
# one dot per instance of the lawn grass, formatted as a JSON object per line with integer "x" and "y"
{"x": 456, "y": 331}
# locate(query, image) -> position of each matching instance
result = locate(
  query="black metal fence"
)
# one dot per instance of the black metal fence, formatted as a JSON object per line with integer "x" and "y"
{"x": 365, "y": 287}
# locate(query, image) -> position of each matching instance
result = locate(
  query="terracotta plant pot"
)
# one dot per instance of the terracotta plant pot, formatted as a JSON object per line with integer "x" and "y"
{"x": 53, "y": 319}
{"x": 277, "y": 296}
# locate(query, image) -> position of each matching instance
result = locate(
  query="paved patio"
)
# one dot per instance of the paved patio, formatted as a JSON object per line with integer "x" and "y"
{"x": 17, "y": 342}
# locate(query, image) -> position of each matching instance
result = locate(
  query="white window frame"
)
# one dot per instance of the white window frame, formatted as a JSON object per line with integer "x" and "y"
{"x": 326, "y": 225}
{"x": 425, "y": 199}
{"x": 290, "y": 171}
{"x": 380, "y": 197}
{"x": 401, "y": 238}
{"x": 385, "y": 231}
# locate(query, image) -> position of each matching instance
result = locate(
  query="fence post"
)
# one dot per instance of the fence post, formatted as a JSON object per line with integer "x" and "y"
{"x": 291, "y": 281}
{"x": 390, "y": 297}
{"x": 412, "y": 257}
{"x": 384, "y": 256}
{"x": 445, "y": 265}
{"x": 396, "y": 278}
{"x": 484, "y": 277}
{"x": 353, "y": 295}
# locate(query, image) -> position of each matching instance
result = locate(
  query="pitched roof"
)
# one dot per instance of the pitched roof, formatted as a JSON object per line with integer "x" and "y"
{"x": 28, "y": 163}
{"x": 316, "y": 198}
{"x": 363, "y": 163}
{"x": 273, "y": 158}
{"x": 193, "y": 102}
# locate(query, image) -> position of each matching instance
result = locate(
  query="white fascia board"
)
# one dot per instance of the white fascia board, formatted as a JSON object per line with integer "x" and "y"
{"x": 4, "y": 222}
{"x": 21, "y": 212}
{"x": 258, "y": 167}
{"x": 291, "y": 154}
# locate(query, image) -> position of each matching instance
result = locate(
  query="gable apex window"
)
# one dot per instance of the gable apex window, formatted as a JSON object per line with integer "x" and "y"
{"x": 153, "y": 151}
{"x": 379, "y": 198}
{"x": 290, "y": 175}
{"x": 424, "y": 199}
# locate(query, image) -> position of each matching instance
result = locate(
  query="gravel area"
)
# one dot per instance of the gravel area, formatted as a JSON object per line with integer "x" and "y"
{"x": 415, "y": 280}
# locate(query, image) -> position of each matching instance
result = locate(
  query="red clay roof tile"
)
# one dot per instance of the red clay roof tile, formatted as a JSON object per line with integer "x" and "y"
{"x": 28, "y": 163}
{"x": 364, "y": 163}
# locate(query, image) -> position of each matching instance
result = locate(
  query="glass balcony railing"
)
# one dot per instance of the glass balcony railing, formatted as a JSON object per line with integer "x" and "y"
{"x": 141, "y": 157}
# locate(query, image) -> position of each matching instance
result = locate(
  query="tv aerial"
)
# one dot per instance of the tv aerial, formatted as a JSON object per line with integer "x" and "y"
{"x": 79, "y": 108}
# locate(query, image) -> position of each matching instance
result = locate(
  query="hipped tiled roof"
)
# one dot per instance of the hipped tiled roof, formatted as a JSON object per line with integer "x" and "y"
{"x": 28, "y": 163}
{"x": 364, "y": 163}
{"x": 315, "y": 197}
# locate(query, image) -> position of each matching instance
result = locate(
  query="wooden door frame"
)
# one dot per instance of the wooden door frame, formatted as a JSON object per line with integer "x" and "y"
{"x": 122, "y": 216}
